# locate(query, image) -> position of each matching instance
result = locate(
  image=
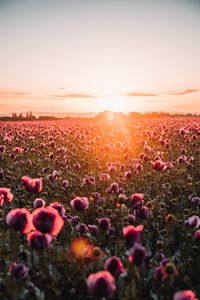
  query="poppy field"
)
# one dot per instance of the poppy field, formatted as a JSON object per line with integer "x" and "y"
{"x": 100, "y": 209}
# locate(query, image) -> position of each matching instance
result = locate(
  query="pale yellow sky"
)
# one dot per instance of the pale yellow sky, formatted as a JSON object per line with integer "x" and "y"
{"x": 83, "y": 56}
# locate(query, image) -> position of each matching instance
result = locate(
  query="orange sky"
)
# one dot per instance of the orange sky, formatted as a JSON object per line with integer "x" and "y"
{"x": 83, "y": 56}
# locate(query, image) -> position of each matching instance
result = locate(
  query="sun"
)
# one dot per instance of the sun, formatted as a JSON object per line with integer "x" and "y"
{"x": 112, "y": 103}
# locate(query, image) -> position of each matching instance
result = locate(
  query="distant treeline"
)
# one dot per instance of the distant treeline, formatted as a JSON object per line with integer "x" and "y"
{"x": 102, "y": 115}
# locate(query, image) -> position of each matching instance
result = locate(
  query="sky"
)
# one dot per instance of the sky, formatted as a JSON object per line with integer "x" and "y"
{"x": 94, "y": 55}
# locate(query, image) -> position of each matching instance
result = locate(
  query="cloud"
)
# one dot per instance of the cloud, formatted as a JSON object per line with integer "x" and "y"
{"x": 170, "y": 92}
{"x": 140, "y": 94}
{"x": 10, "y": 94}
{"x": 183, "y": 92}
{"x": 73, "y": 96}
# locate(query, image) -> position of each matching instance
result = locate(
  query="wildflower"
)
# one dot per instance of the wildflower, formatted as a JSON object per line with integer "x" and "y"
{"x": 38, "y": 202}
{"x": 114, "y": 188}
{"x": 80, "y": 203}
{"x": 193, "y": 221}
{"x": 18, "y": 270}
{"x": 114, "y": 266}
{"x": 47, "y": 220}
{"x": 137, "y": 200}
{"x": 138, "y": 256}
{"x": 170, "y": 218}
{"x": 5, "y": 195}
{"x": 38, "y": 240}
{"x": 81, "y": 228}
{"x": 65, "y": 184}
{"x": 197, "y": 234}
{"x": 143, "y": 212}
{"x": 132, "y": 234}
{"x": 96, "y": 253}
{"x": 105, "y": 177}
{"x": 59, "y": 207}
{"x": 77, "y": 166}
{"x": 32, "y": 185}
{"x": 195, "y": 200}
{"x": 75, "y": 220}
{"x": 17, "y": 150}
{"x": 159, "y": 165}
{"x": 20, "y": 220}
{"x": 104, "y": 223}
{"x": 128, "y": 174}
{"x": 101, "y": 284}
{"x": 166, "y": 269}
{"x": 93, "y": 229}
{"x": 182, "y": 159}
{"x": 131, "y": 219}
{"x": 184, "y": 295}
{"x": 2, "y": 148}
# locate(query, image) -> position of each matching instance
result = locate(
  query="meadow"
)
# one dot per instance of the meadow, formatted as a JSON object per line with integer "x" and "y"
{"x": 99, "y": 209}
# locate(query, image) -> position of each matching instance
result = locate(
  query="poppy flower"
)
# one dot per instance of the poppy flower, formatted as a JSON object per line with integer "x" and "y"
{"x": 184, "y": 295}
{"x": 114, "y": 187}
{"x": 96, "y": 253}
{"x": 170, "y": 219}
{"x": 81, "y": 228}
{"x": 104, "y": 223}
{"x": 65, "y": 184}
{"x": 137, "y": 200}
{"x": 193, "y": 221}
{"x": 138, "y": 255}
{"x": 93, "y": 229}
{"x": 47, "y": 220}
{"x": 166, "y": 269}
{"x": 197, "y": 234}
{"x": 195, "y": 200}
{"x": 80, "y": 203}
{"x": 105, "y": 177}
{"x": 38, "y": 240}
{"x": 38, "y": 202}
{"x": 128, "y": 174}
{"x": 18, "y": 270}
{"x": 159, "y": 165}
{"x": 2, "y": 148}
{"x": 132, "y": 234}
{"x": 101, "y": 284}
{"x": 131, "y": 219}
{"x": 32, "y": 185}
{"x": 5, "y": 195}
{"x": 114, "y": 266}
{"x": 20, "y": 220}
{"x": 143, "y": 212}
{"x": 59, "y": 207}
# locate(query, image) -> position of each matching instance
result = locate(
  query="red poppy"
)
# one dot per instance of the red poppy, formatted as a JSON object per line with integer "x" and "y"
{"x": 47, "y": 220}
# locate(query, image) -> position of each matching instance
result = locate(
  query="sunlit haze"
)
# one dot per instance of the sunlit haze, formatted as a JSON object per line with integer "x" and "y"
{"x": 89, "y": 56}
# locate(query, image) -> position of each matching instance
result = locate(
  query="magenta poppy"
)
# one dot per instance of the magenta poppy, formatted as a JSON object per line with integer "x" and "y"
{"x": 101, "y": 284}
{"x": 80, "y": 203}
{"x": 132, "y": 234}
{"x": 47, "y": 220}
{"x": 184, "y": 295}
{"x": 5, "y": 195}
{"x": 38, "y": 240}
{"x": 137, "y": 200}
{"x": 20, "y": 220}
{"x": 32, "y": 185}
{"x": 114, "y": 266}
{"x": 19, "y": 270}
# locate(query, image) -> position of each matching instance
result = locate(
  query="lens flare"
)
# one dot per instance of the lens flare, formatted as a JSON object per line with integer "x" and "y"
{"x": 81, "y": 248}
